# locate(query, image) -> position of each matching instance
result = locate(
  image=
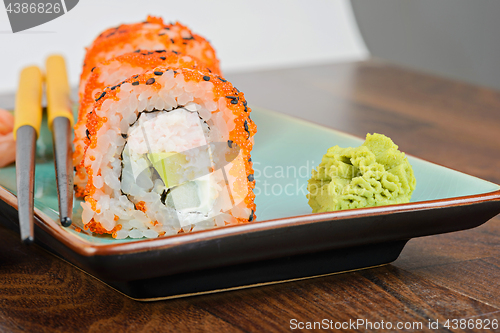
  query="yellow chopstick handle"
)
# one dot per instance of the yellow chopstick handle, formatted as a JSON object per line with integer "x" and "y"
{"x": 58, "y": 91}
{"x": 28, "y": 110}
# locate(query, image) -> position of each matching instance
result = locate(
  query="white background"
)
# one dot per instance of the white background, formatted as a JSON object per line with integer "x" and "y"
{"x": 247, "y": 35}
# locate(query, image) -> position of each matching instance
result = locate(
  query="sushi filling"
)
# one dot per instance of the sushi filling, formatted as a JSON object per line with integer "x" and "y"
{"x": 167, "y": 155}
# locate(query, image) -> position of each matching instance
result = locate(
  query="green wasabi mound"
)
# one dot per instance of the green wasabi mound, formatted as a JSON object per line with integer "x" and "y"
{"x": 374, "y": 174}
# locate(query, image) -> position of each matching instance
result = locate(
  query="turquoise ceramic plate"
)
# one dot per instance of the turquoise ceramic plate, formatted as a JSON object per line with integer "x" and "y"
{"x": 286, "y": 236}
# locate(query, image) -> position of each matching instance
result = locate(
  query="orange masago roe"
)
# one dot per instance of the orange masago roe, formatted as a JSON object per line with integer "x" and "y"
{"x": 227, "y": 104}
{"x": 109, "y": 73}
{"x": 152, "y": 34}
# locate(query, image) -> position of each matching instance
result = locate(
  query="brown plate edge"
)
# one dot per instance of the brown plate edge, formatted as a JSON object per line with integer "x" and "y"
{"x": 88, "y": 249}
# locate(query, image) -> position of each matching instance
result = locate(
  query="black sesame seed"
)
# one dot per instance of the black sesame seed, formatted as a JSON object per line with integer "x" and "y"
{"x": 232, "y": 97}
{"x": 250, "y": 178}
{"x": 166, "y": 28}
{"x": 230, "y": 143}
{"x": 136, "y": 83}
{"x": 250, "y": 219}
{"x": 135, "y": 76}
{"x": 162, "y": 34}
{"x": 160, "y": 51}
{"x": 246, "y": 126}
{"x": 137, "y": 51}
{"x": 163, "y": 58}
{"x": 150, "y": 81}
{"x": 222, "y": 79}
{"x": 163, "y": 197}
{"x": 124, "y": 135}
{"x": 74, "y": 168}
{"x": 102, "y": 95}
{"x": 175, "y": 52}
{"x": 188, "y": 38}
{"x": 234, "y": 101}
{"x": 172, "y": 40}
{"x": 114, "y": 87}
{"x": 87, "y": 133}
{"x": 250, "y": 159}
{"x": 175, "y": 72}
{"x": 158, "y": 73}
{"x": 246, "y": 109}
{"x": 236, "y": 89}
{"x": 206, "y": 78}
{"x": 92, "y": 69}
{"x": 149, "y": 53}
{"x": 245, "y": 103}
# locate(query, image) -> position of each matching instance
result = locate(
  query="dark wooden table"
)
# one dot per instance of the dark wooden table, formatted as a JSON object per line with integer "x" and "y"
{"x": 455, "y": 275}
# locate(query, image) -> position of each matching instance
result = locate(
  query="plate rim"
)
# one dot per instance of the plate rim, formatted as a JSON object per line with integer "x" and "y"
{"x": 88, "y": 249}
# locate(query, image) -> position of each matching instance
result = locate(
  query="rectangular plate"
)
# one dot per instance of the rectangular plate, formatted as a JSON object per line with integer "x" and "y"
{"x": 286, "y": 243}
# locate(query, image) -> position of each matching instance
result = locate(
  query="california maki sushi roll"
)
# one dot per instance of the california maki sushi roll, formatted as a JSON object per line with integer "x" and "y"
{"x": 152, "y": 34}
{"x": 168, "y": 151}
{"x": 110, "y": 73}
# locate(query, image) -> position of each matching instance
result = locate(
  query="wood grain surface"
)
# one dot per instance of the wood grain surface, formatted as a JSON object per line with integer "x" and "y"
{"x": 455, "y": 275}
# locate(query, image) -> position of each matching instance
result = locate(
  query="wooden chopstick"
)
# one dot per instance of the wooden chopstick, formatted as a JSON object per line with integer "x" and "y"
{"x": 28, "y": 119}
{"x": 60, "y": 120}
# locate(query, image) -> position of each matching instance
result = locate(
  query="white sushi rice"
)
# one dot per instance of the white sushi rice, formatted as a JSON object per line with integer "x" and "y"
{"x": 112, "y": 72}
{"x": 184, "y": 116}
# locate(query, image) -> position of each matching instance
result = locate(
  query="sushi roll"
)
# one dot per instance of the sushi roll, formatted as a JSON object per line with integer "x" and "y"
{"x": 168, "y": 151}
{"x": 151, "y": 34}
{"x": 109, "y": 73}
